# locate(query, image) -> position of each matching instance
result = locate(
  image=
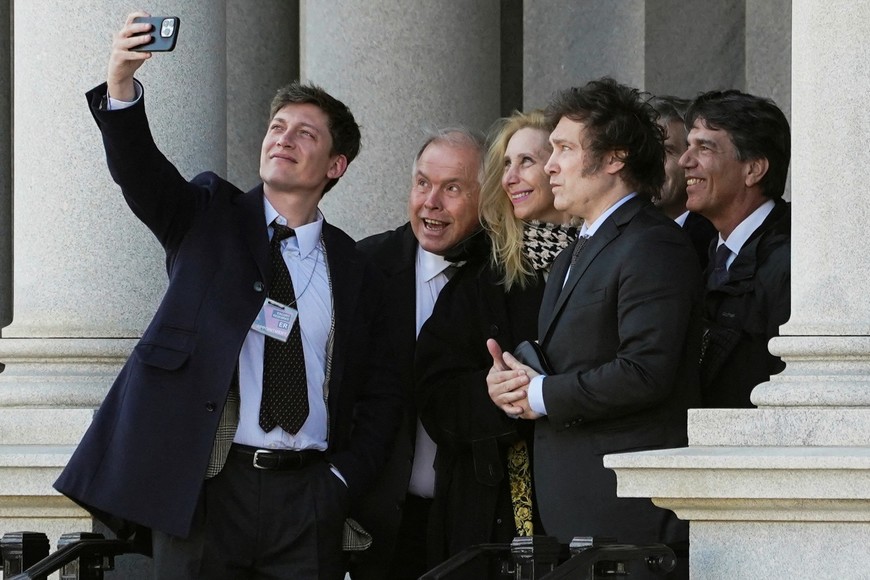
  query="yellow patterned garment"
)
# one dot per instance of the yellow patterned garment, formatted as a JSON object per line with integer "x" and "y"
{"x": 520, "y": 477}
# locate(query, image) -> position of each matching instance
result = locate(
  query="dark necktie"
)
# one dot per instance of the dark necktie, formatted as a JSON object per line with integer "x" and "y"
{"x": 720, "y": 265}
{"x": 285, "y": 387}
{"x": 578, "y": 247}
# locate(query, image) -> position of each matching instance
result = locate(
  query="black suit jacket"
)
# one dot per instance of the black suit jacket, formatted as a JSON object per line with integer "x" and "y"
{"x": 380, "y": 511}
{"x": 745, "y": 312}
{"x": 622, "y": 338}
{"x": 701, "y": 233}
{"x": 144, "y": 458}
{"x": 472, "y": 485}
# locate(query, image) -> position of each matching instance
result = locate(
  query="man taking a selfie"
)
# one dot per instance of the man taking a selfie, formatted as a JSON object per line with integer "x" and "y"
{"x": 227, "y": 435}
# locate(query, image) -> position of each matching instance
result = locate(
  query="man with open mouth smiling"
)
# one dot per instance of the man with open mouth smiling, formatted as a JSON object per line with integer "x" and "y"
{"x": 736, "y": 166}
{"x": 417, "y": 260}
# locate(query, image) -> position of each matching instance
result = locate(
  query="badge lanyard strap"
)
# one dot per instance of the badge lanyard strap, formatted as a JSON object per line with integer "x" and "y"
{"x": 310, "y": 277}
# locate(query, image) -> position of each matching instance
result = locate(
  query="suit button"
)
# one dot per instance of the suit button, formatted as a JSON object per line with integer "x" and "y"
{"x": 498, "y": 521}
{"x": 210, "y": 406}
{"x": 258, "y": 286}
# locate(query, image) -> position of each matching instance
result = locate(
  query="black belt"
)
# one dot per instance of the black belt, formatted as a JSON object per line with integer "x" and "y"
{"x": 278, "y": 459}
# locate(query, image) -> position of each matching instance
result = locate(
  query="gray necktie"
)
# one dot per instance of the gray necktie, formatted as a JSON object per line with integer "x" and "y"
{"x": 578, "y": 247}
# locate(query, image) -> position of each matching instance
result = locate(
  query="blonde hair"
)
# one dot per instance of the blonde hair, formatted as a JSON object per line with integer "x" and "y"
{"x": 496, "y": 210}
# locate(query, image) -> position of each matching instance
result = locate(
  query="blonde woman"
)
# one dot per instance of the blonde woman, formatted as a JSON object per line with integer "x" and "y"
{"x": 483, "y": 482}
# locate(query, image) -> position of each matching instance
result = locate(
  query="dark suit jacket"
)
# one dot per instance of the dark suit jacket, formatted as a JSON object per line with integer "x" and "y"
{"x": 745, "y": 312}
{"x": 701, "y": 233}
{"x": 380, "y": 511}
{"x": 622, "y": 338}
{"x": 144, "y": 458}
{"x": 472, "y": 485}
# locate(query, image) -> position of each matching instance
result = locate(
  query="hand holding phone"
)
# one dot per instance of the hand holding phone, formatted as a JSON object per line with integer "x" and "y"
{"x": 164, "y": 33}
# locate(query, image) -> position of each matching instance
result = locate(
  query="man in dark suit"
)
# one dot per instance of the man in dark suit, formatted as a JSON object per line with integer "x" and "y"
{"x": 736, "y": 166}
{"x": 619, "y": 323}
{"x": 443, "y": 231}
{"x": 238, "y": 445}
{"x": 672, "y": 196}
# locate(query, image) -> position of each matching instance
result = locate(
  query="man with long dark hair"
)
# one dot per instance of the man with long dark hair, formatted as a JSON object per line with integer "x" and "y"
{"x": 619, "y": 323}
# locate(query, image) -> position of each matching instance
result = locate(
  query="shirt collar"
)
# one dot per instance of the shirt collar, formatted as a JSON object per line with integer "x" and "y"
{"x": 429, "y": 265}
{"x": 307, "y": 236}
{"x": 747, "y": 227}
{"x": 590, "y": 229}
{"x": 681, "y": 219}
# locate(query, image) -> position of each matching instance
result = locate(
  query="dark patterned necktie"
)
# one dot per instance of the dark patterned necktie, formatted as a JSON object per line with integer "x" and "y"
{"x": 285, "y": 387}
{"x": 578, "y": 247}
{"x": 720, "y": 265}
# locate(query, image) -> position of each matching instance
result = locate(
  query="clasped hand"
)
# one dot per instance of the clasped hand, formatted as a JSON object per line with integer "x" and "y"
{"x": 508, "y": 383}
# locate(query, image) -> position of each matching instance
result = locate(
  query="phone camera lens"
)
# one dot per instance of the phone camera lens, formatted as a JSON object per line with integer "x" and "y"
{"x": 167, "y": 27}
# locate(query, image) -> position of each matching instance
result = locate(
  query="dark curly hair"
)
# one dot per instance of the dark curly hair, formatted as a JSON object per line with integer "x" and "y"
{"x": 343, "y": 128}
{"x": 757, "y": 127}
{"x": 617, "y": 118}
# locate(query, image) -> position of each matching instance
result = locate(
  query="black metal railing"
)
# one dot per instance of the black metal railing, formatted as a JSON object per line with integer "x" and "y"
{"x": 86, "y": 556}
{"x": 544, "y": 558}
{"x": 79, "y": 555}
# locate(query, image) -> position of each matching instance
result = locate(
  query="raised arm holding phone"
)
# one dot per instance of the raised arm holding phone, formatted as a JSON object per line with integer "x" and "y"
{"x": 225, "y": 442}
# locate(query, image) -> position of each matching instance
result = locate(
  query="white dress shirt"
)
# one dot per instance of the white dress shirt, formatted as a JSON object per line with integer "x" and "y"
{"x": 681, "y": 219}
{"x": 431, "y": 279}
{"x": 744, "y": 229}
{"x": 306, "y": 262}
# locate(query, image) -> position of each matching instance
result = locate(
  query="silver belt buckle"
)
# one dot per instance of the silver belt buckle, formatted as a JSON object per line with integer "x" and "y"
{"x": 257, "y": 456}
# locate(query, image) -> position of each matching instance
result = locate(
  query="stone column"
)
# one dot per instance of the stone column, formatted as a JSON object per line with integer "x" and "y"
{"x": 87, "y": 274}
{"x": 573, "y": 43}
{"x": 400, "y": 67}
{"x": 715, "y": 31}
{"x": 768, "y": 51}
{"x": 768, "y": 54}
{"x": 262, "y": 56}
{"x": 5, "y": 167}
{"x": 783, "y": 491}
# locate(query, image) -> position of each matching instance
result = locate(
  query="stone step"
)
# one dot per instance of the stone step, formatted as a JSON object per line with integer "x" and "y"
{"x": 780, "y": 427}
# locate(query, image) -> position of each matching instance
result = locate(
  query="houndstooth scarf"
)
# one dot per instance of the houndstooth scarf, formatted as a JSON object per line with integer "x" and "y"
{"x": 542, "y": 242}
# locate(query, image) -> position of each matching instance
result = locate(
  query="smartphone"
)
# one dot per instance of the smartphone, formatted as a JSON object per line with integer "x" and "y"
{"x": 164, "y": 33}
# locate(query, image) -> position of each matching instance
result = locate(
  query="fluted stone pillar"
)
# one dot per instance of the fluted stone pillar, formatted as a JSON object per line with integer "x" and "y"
{"x": 87, "y": 274}
{"x": 783, "y": 491}
{"x": 5, "y": 167}
{"x": 262, "y": 56}
{"x": 400, "y": 66}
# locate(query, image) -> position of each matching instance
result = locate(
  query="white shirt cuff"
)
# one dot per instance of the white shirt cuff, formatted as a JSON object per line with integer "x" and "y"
{"x": 536, "y": 395}
{"x": 116, "y": 105}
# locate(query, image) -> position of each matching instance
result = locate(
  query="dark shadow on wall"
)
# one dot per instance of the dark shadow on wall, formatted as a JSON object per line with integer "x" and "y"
{"x": 5, "y": 165}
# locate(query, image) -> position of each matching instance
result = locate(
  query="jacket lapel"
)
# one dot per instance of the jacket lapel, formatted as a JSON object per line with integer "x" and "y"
{"x": 252, "y": 223}
{"x": 345, "y": 280}
{"x": 609, "y": 230}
